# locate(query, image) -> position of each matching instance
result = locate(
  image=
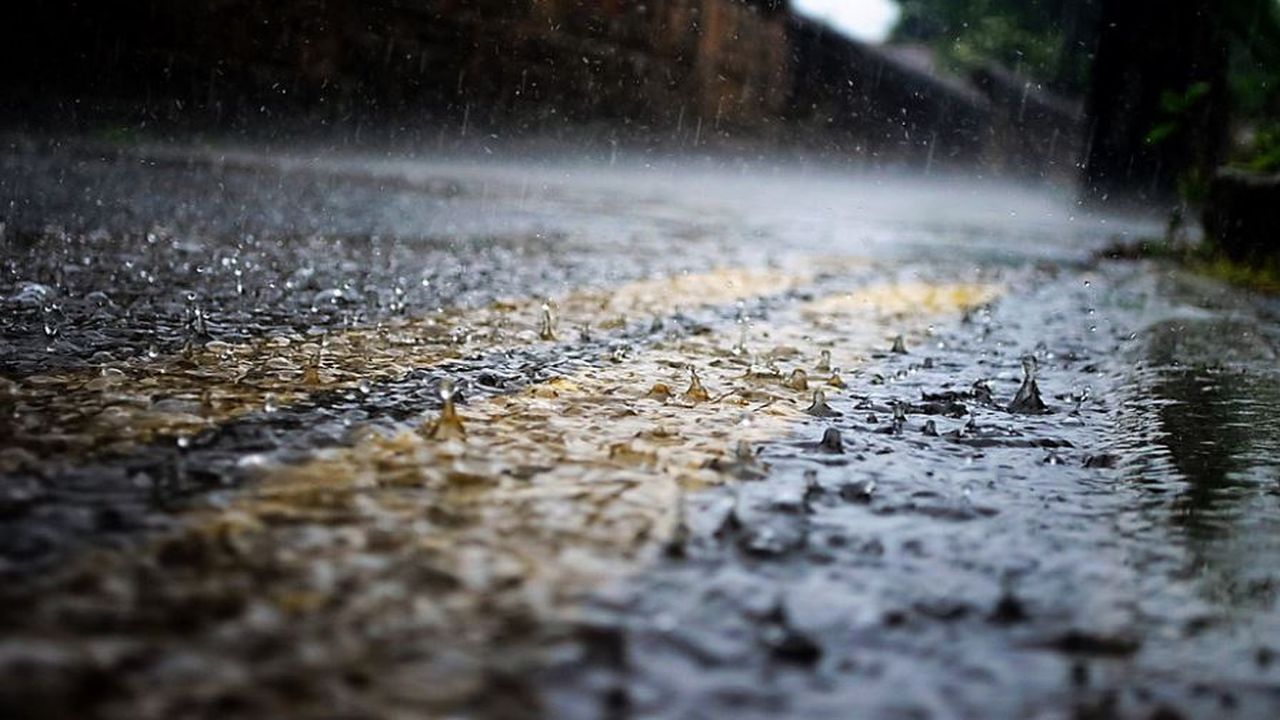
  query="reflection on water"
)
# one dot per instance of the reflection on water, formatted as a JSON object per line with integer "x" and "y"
{"x": 1207, "y": 440}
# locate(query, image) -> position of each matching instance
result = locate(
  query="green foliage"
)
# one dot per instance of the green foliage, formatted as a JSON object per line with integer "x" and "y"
{"x": 1265, "y": 279}
{"x": 1032, "y": 36}
{"x": 1043, "y": 39}
{"x": 1255, "y": 81}
{"x": 1260, "y": 150}
{"x": 1176, "y": 106}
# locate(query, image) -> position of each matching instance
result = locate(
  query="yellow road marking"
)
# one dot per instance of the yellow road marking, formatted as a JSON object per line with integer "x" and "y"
{"x": 568, "y": 483}
{"x": 137, "y": 401}
{"x": 452, "y": 548}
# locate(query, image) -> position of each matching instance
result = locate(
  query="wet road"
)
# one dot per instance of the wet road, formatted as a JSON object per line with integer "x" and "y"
{"x": 330, "y": 434}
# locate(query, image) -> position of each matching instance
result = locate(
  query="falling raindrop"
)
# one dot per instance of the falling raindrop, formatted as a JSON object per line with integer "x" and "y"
{"x": 899, "y": 346}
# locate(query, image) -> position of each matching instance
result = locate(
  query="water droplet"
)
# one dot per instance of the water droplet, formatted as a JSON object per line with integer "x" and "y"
{"x": 742, "y": 464}
{"x": 819, "y": 407}
{"x": 740, "y": 349}
{"x": 449, "y": 425}
{"x": 799, "y": 380}
{"x": 696, "y": 393}
{"x": 899, "y": 346}
{"x": 660, "y": 391}
{"x": 1028, "y": 400}
{"x": 831, "y": 442}
{"x": 547, "y": 324}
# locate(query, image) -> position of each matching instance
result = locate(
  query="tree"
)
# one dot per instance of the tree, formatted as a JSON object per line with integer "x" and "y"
{"x": 1159, "y": 101}
{"x": 1049, "y": 40}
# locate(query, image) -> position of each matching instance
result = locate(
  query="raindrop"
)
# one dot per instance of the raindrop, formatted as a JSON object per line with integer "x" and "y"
{"x": 820, "y": 408}
{"x": 696, "y": 393}
{"x": 831, "y": 442}
{"x": 899, "y": 346}
{"x": 899, "y": 416}
{"x": 740, "y": 349}
{"x": 1028, "y": 401}
{"x": 742, "y": 464}
{"x": 981, "y": 392}
{"x": 547, "y": 324}
{"x": 660, "y": 391}
{"x": 449, "y": 425}
{"x": 799, "y": 380}
{"x": 311, "y": 373}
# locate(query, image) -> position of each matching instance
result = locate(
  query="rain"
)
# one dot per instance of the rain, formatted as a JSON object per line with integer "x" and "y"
{"x": 673, "y": 359}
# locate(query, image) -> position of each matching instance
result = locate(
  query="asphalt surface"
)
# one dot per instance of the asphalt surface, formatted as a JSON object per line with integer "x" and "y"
{"x": 290, "y": 432}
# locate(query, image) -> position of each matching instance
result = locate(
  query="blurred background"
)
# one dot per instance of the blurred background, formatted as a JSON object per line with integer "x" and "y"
{"x": 1137, "y": 100}
{"x": 252, "y": 252}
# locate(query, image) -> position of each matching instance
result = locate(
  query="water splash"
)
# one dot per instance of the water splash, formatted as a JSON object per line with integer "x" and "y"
{"x": 899, "y": 416}
{"x": 311, "y": 373}
{"x": 547, "y": 323}
{"x": 742, "y": 464}
{"x": 820, "y": 408}
{"x": 696, "y": 392}
{"x": 660, "y": 391}
{"x": 1028, "y": 401}
{"x": 831, "y": 442}
{"x": 798, "y": 380}
{"x": 449, "y": 425}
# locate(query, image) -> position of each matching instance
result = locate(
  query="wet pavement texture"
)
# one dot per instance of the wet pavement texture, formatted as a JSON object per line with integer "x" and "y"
{"x": 748, "y": 440}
